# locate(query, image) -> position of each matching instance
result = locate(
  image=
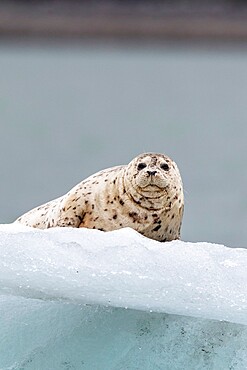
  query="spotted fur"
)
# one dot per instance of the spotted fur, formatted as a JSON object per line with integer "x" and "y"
{"x": 146, "y": 195}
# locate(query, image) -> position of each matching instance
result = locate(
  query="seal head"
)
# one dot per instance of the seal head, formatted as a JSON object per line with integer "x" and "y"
{"x": 151, "y": 179}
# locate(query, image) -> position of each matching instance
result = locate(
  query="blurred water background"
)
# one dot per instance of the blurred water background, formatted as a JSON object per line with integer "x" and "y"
{"x": 71, "y": 108}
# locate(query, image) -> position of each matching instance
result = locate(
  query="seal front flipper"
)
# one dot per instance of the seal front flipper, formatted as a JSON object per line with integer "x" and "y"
{"x": 71, "y": 211}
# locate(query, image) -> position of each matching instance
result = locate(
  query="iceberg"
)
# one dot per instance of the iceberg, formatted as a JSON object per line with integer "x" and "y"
{"x": 89, "y": 300}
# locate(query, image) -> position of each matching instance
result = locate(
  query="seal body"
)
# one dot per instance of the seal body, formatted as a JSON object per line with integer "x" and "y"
{"x": 146, "y": 195}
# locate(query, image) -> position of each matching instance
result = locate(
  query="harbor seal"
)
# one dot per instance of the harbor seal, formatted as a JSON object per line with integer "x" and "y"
{"x": 146, "y": 195}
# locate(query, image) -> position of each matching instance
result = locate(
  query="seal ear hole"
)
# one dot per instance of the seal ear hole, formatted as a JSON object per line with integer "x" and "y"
{"x": 141, "y": 166}
{"x": 164, "y": 166}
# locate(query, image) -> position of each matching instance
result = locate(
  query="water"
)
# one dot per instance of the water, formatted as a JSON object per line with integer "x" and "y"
{"x": 67, "y": 111}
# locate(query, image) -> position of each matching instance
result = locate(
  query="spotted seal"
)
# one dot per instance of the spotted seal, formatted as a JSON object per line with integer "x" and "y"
{"x": 146, "y": 195}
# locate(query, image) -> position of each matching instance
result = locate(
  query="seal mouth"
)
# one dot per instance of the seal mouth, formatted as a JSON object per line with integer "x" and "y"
{"x": 152, "y": 184}
{"x": 151, "y": 191}
{"x": 151, "y": 187}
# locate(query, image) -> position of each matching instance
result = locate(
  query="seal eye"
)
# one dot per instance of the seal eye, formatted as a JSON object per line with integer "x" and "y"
{"x": 141, "y": 166}
{"x": 164, "y": 166}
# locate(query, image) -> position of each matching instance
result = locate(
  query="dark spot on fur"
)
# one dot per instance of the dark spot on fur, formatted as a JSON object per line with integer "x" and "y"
{"x": 92, "y": 206}
{"x": 173, "y": 216}
{"x": 114, "y": 217}
{"x": 121, "y": 202}
{"x": 134, "y": 216}
{"x": 105, "y": 210}
{"x": 157, "y": 228}
{"x": 101, "y": 229}
{"x": 80, "y": 217}
{"x": 154, "y": 160}
{"x": 114, "y": 181}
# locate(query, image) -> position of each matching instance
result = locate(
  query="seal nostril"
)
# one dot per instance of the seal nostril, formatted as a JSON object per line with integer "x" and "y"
{"x": 151, "y": 173}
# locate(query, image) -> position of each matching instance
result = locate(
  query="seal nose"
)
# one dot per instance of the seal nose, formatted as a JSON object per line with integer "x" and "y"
{"x": 151, "y": 173}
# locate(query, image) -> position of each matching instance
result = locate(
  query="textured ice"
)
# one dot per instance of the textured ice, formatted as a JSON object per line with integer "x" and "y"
{"x": 84, "y": 299}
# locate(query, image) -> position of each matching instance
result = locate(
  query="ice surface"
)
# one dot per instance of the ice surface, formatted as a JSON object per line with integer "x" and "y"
{"x": 84, "y": 299}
